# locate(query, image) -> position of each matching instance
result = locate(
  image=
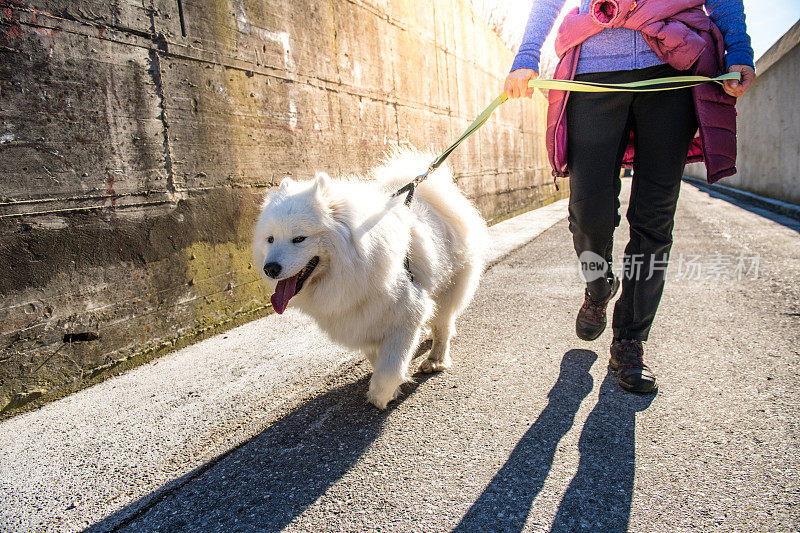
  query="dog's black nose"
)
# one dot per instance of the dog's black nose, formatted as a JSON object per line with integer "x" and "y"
{"x": 272, "y": 270}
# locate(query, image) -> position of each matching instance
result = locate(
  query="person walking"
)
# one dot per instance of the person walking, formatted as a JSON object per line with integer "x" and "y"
{"x": 617, "y": 41}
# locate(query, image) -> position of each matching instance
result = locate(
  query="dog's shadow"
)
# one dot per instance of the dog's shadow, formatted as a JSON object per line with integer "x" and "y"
{"x": 272, "y": 478}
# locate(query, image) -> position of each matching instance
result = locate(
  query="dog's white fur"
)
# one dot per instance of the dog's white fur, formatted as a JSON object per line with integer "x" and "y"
{"x": 360, "y": 293}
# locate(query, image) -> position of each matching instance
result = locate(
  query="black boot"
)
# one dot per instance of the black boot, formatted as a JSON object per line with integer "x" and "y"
{"x": 627, "y": 360}
{"x": 591, "y": 320}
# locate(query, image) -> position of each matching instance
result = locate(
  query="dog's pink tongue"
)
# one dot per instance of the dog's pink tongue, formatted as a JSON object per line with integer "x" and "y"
{"x": 283, "y": 293}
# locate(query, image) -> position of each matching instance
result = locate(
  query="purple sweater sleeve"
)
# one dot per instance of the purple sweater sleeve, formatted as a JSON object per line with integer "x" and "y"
{"x": 728, "y": 15}
{"x": 543, "y": 15}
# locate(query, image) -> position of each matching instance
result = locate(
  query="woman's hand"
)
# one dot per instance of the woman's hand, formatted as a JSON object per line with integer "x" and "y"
{"x": 738, "y": 88}
{"x": 517, "y": 82}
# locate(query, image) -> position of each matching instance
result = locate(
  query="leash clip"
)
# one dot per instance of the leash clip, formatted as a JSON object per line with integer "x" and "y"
{"x": 411, "y": 186}
{"x": 419, "y": 179}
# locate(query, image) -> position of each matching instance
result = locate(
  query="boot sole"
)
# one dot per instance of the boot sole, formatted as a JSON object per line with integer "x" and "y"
{"x": 629, "y": 388}
{"x": 584, "y": 338}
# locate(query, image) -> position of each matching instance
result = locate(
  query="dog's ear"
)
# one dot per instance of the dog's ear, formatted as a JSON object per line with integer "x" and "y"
{"x": 322, "y": 182}
{"x": 285, "y": 183}
{"x": 333, "y": 204}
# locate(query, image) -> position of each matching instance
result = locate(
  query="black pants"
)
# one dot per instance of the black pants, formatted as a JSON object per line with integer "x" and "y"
{"x": 598, "y": 127}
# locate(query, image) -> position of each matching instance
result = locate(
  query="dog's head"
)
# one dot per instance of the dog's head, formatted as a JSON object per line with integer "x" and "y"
{"x": 293, "y": 237}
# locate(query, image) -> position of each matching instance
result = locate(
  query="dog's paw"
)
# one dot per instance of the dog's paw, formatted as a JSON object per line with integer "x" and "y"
{"x": 428, "y": 365}
{"x": 381, "y": 400}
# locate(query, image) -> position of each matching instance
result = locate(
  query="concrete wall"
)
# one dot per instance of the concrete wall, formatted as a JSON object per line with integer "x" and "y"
{"x": 137, "y": 138}
{"x": 768, "y": 139}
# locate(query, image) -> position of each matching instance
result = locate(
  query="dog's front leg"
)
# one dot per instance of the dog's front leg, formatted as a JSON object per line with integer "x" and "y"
{"x": 391, "y": 366}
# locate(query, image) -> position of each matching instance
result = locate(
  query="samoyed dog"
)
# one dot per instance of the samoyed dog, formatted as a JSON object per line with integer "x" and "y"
{"x": 371, "y": 271}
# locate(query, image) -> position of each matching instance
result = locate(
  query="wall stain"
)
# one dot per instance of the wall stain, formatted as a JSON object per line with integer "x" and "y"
{"x": 133, "y": 161}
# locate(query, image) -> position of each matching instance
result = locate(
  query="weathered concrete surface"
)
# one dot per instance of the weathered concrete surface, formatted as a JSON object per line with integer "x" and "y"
{"x": 95, "y": 452}
{"x": 768, "y": 204}
{"x": 530, "y": 432}
{"x": 527, "y": 432}
{"x": 138, "y": 136}
{"x": 768, "y": 124}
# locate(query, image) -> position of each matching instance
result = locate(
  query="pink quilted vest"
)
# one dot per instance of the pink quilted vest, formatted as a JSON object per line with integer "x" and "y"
{"x": 683, "y": 35}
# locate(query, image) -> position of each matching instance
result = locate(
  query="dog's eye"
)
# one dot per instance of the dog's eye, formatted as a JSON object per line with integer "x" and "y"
{"x": 270, "y": 239}
{"x": 298, "y": 239}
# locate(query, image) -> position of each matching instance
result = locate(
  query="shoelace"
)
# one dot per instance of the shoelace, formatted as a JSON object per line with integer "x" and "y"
{"x": 592, "y": 308}
{"x": 632, "y": 353}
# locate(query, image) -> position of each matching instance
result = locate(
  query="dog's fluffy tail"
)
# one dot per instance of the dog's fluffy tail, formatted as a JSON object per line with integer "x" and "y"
{"x": 439, "y": 191}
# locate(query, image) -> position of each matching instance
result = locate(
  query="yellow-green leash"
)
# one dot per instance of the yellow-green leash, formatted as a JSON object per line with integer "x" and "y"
{"x": 656, "y": 84}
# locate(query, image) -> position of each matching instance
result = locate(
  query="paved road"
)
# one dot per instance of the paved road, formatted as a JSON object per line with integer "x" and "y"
{"x": 529, "y": 431}
{"x": 119, "y": 444}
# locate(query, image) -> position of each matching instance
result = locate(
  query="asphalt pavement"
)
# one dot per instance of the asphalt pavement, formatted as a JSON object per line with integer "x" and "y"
{"x": 527, "y": 432}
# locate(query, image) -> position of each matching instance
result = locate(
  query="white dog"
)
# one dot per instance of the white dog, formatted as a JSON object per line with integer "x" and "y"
{"x": 338, "y": 250}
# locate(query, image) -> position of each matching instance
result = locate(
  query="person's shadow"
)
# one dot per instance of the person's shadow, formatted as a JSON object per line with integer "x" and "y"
{"x": 505, "y": 503}
{"x": 599, "y": 496}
